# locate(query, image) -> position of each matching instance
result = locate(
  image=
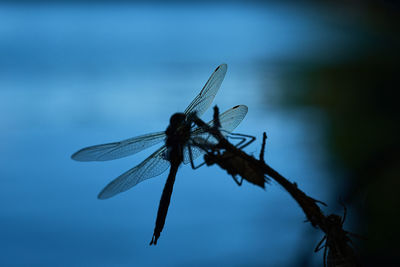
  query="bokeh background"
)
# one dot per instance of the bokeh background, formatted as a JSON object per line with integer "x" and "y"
{"x": 318, "y": 78}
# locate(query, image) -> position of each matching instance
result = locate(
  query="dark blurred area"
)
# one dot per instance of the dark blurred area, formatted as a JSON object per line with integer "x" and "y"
{"x": 355, "y": 93}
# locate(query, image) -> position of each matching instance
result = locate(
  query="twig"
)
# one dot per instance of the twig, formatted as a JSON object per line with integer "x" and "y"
{"x": 237, "y": 162}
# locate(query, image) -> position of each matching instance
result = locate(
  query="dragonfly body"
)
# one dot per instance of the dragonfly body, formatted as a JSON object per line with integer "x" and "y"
{"x": 178, "y": 134}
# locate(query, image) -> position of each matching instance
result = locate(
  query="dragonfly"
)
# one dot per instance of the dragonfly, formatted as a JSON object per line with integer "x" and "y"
{"x": 178, "y": 147}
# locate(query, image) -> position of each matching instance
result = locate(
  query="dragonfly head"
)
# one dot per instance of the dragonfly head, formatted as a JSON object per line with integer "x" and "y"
{"x": 177, "y": 120}
{"x": 178, "y": 125}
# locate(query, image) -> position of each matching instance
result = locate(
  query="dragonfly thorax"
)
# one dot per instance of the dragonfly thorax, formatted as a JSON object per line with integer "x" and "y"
{"x": 178, "y": 131}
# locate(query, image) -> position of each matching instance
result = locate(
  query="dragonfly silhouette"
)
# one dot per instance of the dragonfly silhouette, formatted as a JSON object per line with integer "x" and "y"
{"x": 178, "y": 147}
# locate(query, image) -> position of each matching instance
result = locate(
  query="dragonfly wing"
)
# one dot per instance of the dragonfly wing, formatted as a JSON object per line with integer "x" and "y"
{"x": 118, "y": 150}
{"x": 195, "y": 151}
{"x": 203, "y": 100}
{"x": 229, "y": 120}
{"x": 153, "y": 166}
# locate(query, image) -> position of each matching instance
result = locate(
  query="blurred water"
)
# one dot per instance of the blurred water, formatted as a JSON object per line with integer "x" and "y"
{"x": 78, "y": 75}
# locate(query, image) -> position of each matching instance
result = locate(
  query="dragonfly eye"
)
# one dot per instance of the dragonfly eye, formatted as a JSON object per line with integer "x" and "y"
{"x": 177, "y": 119}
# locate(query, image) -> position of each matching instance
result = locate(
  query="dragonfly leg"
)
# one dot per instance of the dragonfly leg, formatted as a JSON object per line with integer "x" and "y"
{"x": 191, "y": 158}
{"x": 194, "y": 167}
{"x": 325, "y": 250}
{"x": 243, "y": 138}
{"x": 239, "y": 183}
{"x": 320, "y": 246}
{"x": 344, "y": 211}
{"x": 198, "y": 166}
